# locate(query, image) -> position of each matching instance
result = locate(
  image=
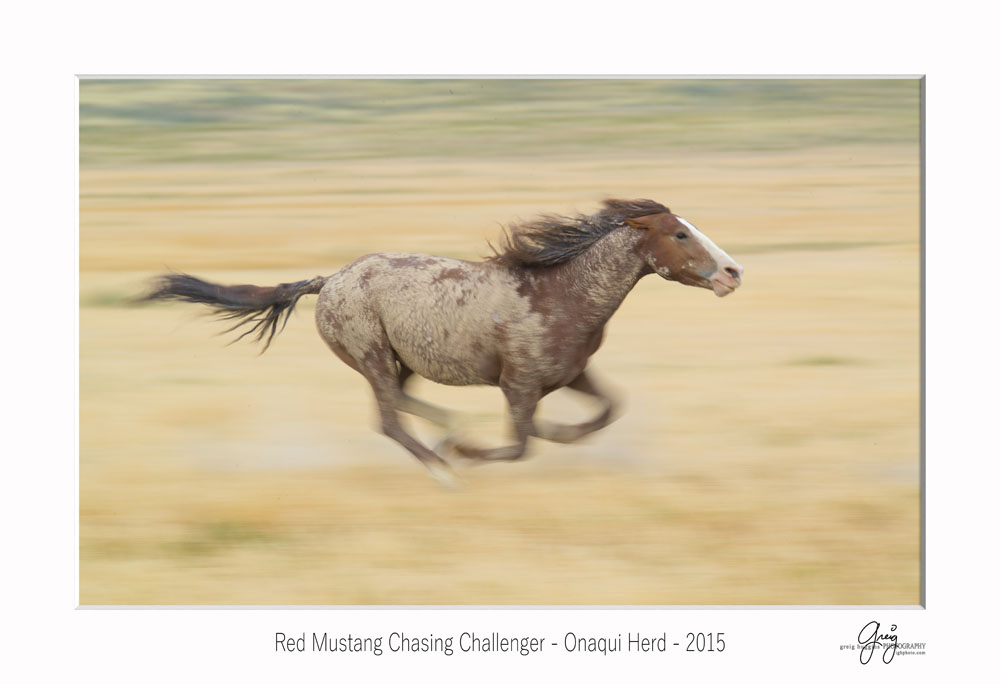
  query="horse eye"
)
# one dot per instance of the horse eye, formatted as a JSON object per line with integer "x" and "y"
{"x": 681, "y": 235}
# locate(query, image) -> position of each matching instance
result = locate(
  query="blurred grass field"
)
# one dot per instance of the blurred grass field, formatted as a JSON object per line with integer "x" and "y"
{"x": 769, "y": 450}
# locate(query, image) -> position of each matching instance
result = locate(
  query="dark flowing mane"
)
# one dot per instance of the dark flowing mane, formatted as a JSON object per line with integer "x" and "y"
{"x": 550, "y": 239}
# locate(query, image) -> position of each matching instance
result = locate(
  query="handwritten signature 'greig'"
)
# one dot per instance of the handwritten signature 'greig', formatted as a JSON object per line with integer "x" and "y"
{"x": 870, "y": 639}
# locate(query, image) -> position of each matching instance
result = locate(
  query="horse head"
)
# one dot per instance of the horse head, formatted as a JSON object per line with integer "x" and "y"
{"x": 676, "y": 250}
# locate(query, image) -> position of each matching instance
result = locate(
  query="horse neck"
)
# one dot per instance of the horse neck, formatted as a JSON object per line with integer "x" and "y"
{"x": 596, "y": 282}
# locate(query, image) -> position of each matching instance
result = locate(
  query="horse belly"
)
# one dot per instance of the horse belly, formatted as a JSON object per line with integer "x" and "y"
{"x": 438, "y": 337}
{"x": 447, "y": 354}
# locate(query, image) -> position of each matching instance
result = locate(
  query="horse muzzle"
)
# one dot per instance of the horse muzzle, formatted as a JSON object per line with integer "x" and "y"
{"x": 726, "y": 280}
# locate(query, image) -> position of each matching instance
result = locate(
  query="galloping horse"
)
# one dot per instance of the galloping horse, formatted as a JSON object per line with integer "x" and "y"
{"x": 526, "y": 319}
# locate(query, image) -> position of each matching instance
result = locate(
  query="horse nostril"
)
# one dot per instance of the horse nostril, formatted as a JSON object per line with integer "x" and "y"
{"x": 734, "y": 273}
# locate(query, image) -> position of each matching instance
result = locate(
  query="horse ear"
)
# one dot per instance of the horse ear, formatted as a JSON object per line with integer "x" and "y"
{"x": 642, "y": 222}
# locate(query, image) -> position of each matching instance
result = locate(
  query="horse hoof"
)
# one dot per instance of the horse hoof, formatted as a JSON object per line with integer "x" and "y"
{"x": 444, "y": 476}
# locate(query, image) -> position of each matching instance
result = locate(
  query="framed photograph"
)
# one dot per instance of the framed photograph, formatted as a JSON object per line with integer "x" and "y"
{"x": 529, "y": 342}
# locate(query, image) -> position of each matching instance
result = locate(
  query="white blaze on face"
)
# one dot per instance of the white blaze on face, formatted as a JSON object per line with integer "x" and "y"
{"x": 722, "y": 281}
{"x": 721, "y": 258}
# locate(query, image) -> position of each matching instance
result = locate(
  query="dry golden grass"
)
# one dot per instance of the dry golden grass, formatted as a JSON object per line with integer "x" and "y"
{"x": 768, "y": 454}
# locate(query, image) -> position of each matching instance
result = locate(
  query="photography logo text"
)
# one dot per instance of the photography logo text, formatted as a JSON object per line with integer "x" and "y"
{"x": 874, "y": 637}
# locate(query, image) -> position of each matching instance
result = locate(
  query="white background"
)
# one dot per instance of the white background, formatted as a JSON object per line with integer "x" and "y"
{"x": 43, "y": 47}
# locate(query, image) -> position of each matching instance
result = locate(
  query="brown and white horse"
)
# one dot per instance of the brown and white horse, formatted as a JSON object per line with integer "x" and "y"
{"x": 526, "y": 319}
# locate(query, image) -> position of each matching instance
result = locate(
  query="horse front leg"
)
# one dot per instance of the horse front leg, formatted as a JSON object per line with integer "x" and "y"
{"x": 558, "y": 432}
{"x": 522, "y": 403}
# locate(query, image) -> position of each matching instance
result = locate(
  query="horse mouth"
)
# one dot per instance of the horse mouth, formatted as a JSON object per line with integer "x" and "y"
{"x": 721, "y": 289}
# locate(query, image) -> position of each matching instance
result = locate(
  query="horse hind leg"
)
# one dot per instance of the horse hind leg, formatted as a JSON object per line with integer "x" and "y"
{"x": 558, "y": 432}
{"x": 391, "y": 427}
{"x": 417, "y": 407}
{"x": 379, "y": 368}
{"x": 449, "y": 420}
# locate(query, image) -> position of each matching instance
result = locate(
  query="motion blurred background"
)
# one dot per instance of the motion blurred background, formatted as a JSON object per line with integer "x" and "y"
{"x": 769, "y": 451}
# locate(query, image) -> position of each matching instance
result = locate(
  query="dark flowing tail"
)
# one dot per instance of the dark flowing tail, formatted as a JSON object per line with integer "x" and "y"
{"x": 261, "y": 308}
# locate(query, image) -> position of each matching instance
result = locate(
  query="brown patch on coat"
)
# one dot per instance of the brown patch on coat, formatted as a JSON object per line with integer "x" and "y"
{"x": 450, "y": 274}
{"x": 410, "y": 261}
